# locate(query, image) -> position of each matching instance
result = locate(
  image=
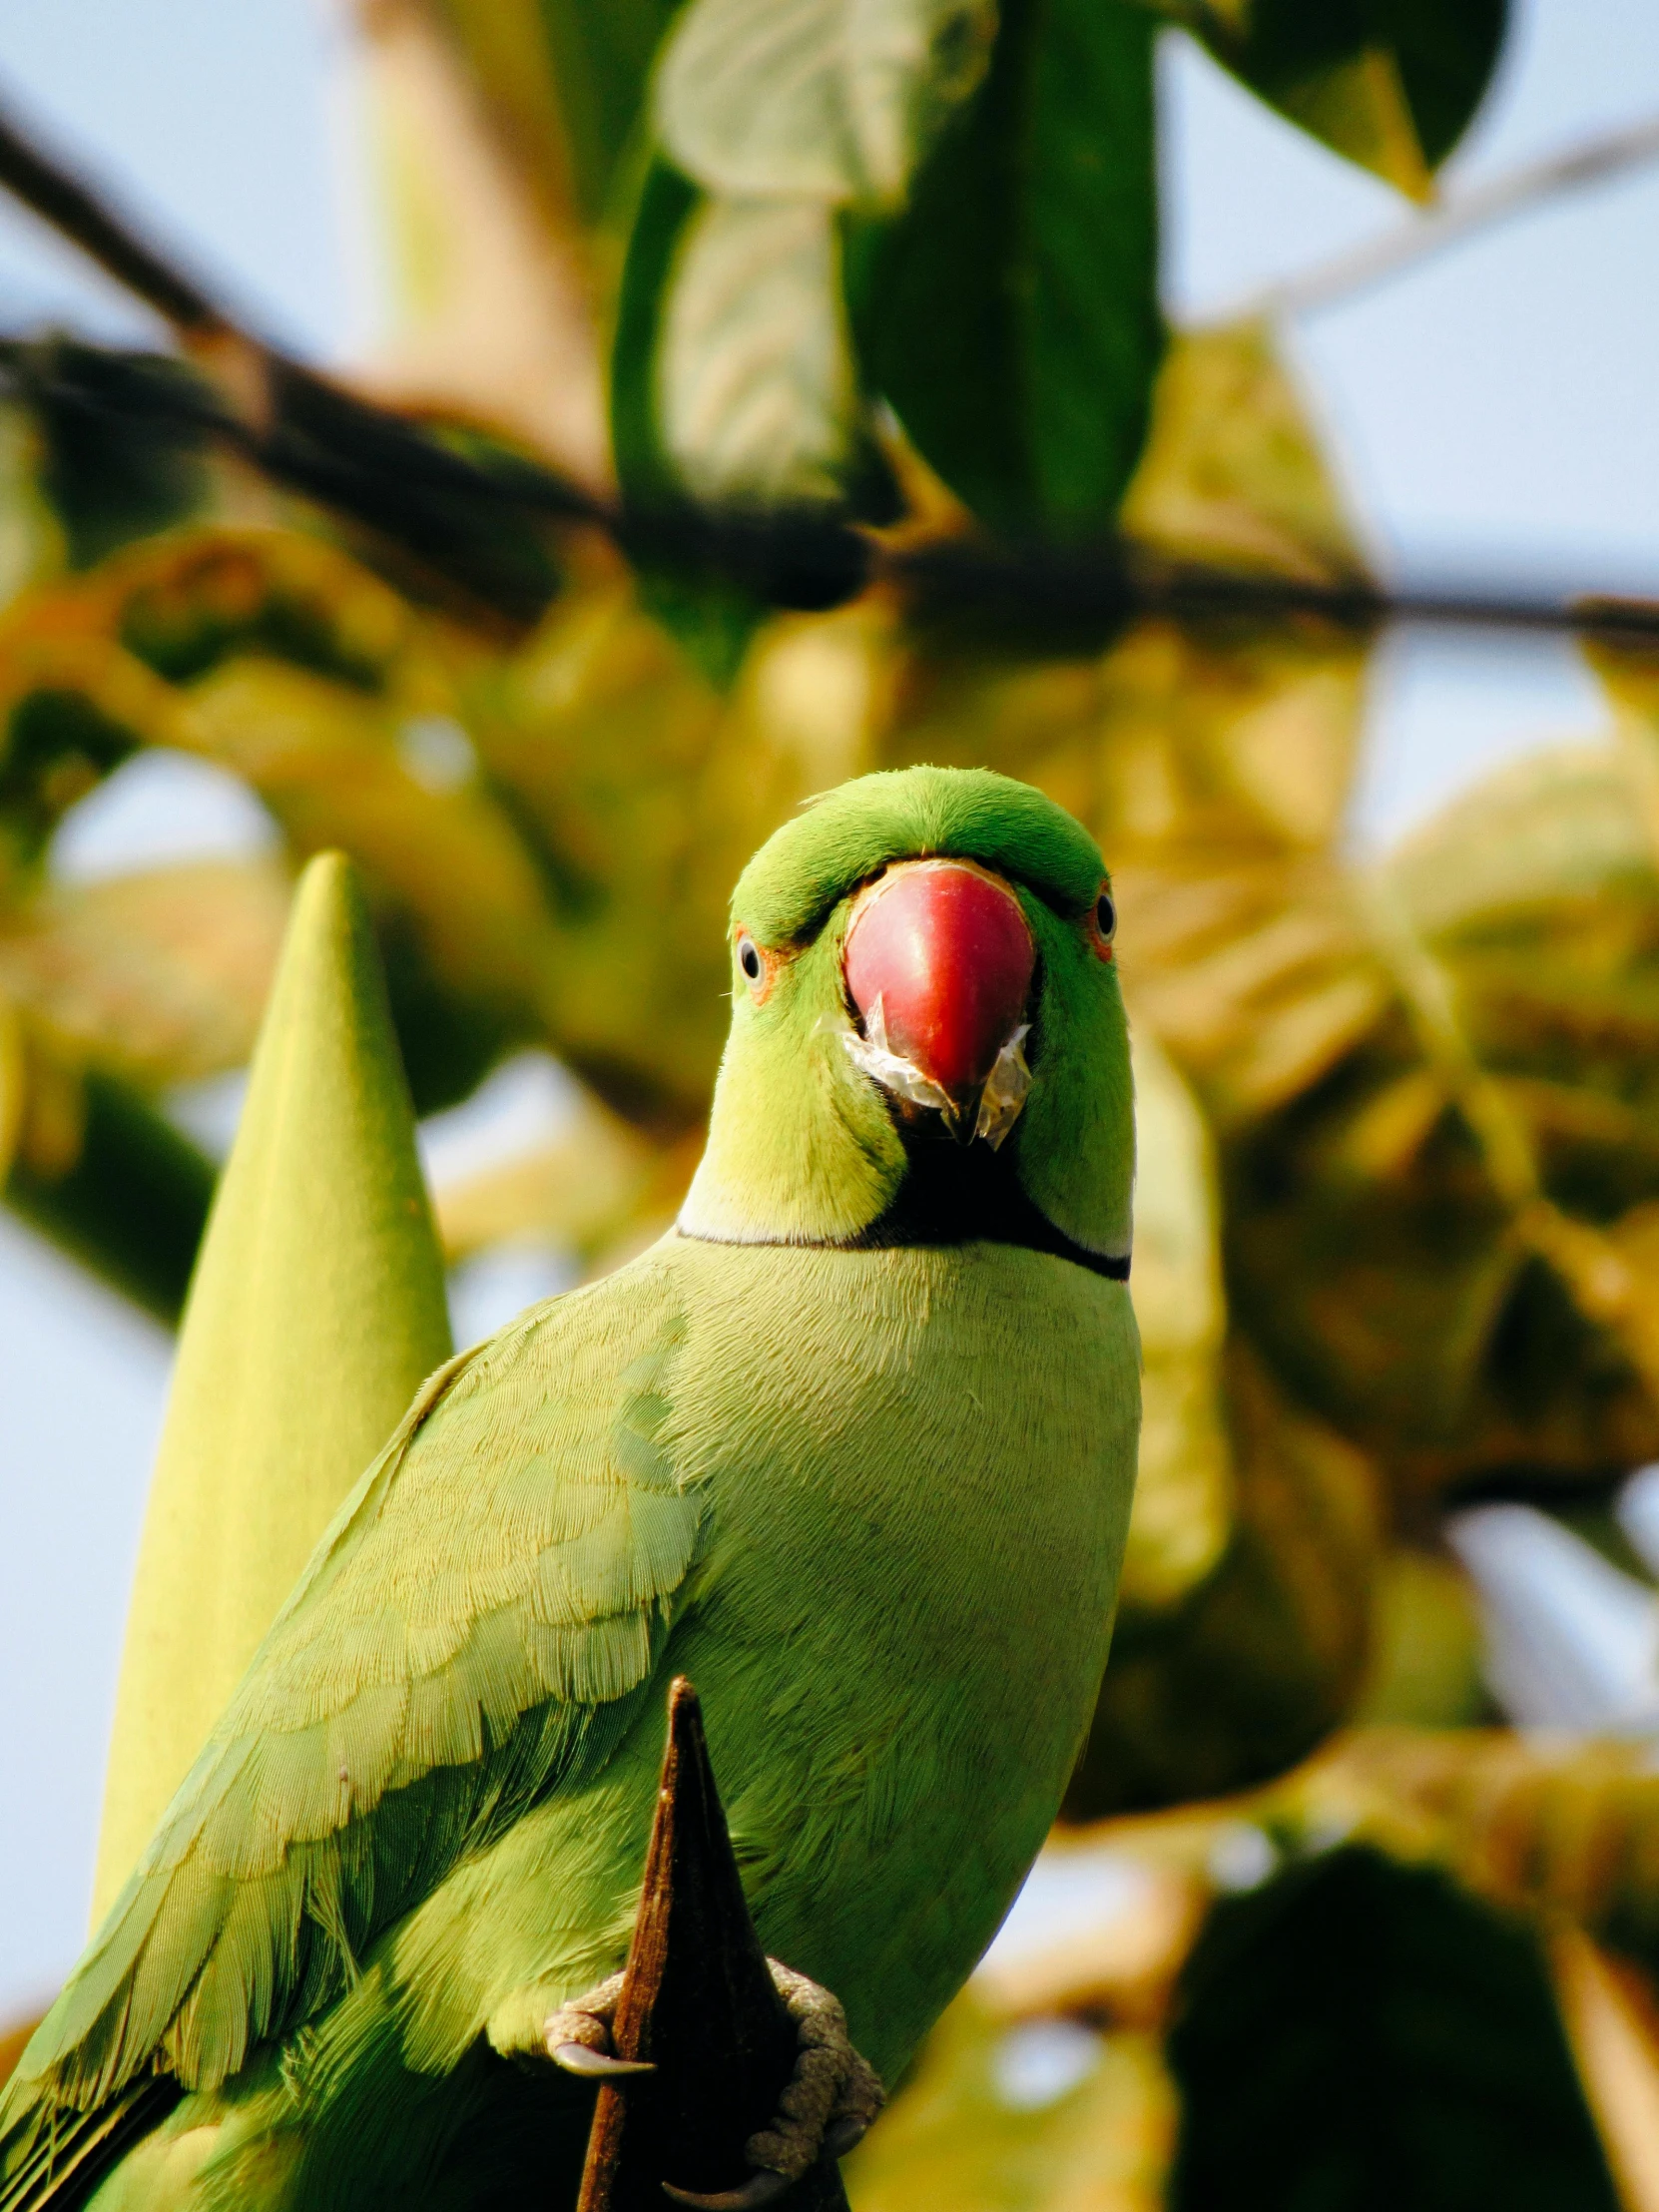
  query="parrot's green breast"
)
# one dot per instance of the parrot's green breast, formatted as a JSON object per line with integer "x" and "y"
{"x": 916, "y": 1505}
{"x": 921, "y": 1502}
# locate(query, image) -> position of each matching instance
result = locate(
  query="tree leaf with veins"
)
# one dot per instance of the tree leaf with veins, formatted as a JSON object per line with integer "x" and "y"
{"x": 756, "y": 395}
{"x": 830, "y": 99}
{"x": 1010, "y": 313}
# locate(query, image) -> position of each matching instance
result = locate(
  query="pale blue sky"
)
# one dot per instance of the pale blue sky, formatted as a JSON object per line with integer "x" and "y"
{"x": 1494, "y": 411}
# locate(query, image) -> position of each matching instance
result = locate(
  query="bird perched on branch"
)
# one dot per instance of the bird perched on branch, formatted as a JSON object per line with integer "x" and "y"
{"x": 853, "y": 1445}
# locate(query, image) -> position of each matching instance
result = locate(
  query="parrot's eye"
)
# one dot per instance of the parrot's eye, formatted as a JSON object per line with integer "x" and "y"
{"x": 748, "y": 959}
{"x": 1105, "y": 920}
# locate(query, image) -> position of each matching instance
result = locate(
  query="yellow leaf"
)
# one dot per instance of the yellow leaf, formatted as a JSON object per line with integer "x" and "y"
{"x": 1267, "y": 1655}
{"x": 1358, "y": 106}
{"x": 1232, "y": 471}
{"x": 1426, "y": 1646}
{"x": 1184, "y": 1485}
{"x": 955, "y": 2138}
{"x": 493, "y": 308}
{"x": 579, "y": 1192}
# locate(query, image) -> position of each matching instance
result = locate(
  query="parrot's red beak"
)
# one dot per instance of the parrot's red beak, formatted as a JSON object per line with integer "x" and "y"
{"x": 939, "y": 964}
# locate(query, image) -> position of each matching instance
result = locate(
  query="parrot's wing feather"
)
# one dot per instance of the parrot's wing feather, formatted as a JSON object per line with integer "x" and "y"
{"x": 61, "y": 2156}
{"x": 499, "y": 1578}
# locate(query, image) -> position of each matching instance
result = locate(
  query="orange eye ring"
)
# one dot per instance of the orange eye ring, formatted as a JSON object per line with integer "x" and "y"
{"x": 1103, "y": 923}
{"x": 753, "y": 966}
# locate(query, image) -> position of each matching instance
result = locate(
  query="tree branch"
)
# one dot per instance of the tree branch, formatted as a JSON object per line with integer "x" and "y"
{"x": 59, "y": 197}
{"x": 1449, "y": 221}
{"x": 478, "y": 525}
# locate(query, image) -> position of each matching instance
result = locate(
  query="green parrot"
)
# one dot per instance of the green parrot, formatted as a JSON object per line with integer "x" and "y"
{"x": 853, "y": 1447}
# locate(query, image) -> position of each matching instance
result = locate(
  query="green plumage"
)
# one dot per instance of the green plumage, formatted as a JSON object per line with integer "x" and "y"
{"x": 873, "y": 1500}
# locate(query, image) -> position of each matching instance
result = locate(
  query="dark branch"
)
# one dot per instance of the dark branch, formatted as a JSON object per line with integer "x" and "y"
{"x": 29, "y": 174}
{"x": 476, "y": 525}
{"x": 474, "y": 528}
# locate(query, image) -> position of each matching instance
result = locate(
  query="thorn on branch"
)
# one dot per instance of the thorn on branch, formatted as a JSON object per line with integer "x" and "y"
{"x": 697, "y": 2003}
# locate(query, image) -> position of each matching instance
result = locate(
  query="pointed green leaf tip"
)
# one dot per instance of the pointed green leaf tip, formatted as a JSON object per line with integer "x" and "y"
{"x": 317, "y": 1308}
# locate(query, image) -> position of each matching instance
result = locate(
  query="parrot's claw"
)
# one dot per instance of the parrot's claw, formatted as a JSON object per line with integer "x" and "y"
{"x": 596, "y": 2065}
{"x": 845, "y": 2135}
{"x": 825, "y": 2106}
{"x": 764, "y": 2187}
{"x": 578, "y": 2037}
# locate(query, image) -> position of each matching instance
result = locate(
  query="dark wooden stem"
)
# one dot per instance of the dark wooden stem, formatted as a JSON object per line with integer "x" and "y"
{"x": 699, "y": 2003}
{"x": 59, "y": 197}
{"x": 448, "y": 515}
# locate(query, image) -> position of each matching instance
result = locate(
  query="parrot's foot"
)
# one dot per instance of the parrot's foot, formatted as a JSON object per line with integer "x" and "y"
{"x": 578, "y": 2036}
{"x": 827, "y": 2103}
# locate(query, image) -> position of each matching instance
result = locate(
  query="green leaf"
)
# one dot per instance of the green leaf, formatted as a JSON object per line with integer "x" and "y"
{"x": 755, "y": 389}
{"x": 1011, "y": 315}
{"x": 830, "y": 100}
{"x": 733, "y": 380}
{"x": 667, "y": 202}
{"x": 1446, "y": 55}
{"x": 734, "y": 384}
{"x": 711, "y": 622}
{"x": 1358, "y": 2034}
{"x": 317, "y": 1308}
{"x": 1391, "y": 84}
{"x": 120, "y": 456}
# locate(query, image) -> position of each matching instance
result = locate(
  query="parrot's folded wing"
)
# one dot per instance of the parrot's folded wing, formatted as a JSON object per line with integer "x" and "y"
{"x": 455, "y": 1649}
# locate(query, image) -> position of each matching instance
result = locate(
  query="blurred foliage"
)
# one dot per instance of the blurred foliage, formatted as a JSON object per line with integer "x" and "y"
{"x": 1267, "y": 1654}
{"x": 895, "y": 264}
{"x": 1359, "y": 2033}
{"x": 1570, "y": 1829}
{"x": 956, "y": 2138}
{"x": 1426, "y": 1661}
{"x": 1455, "y": 1220}
{"x": 1393, "y": 86}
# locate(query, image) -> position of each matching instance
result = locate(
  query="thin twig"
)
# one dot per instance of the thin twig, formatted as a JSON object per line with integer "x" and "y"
{"x": 369, "y": 463}
{"x": 1480, "y": 208}
{"x": 1097, "y": 587}
{"x": 59, "y": 197}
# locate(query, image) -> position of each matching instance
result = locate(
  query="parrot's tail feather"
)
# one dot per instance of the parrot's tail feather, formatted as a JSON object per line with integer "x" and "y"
{"x": 53, "y": 2160}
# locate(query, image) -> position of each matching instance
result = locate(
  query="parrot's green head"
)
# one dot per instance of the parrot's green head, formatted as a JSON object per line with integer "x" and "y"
{"x": 927, "y": 1038}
